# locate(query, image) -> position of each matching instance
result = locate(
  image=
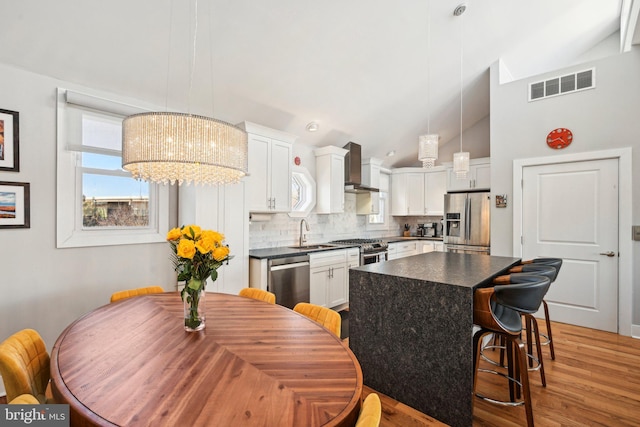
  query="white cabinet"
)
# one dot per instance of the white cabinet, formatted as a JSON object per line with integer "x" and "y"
{"x": 435, "y": 187}
{"x": 221, "y": 208}
{"x": 430, "y": 246}
{"x": 402, "y": 249}
{"x": 329, "y": 283}
{"x": 407, "y": 193}
{"x": 330, "y": 179}
{"x": 353, "y": 257}
{"x": 269, "y": 162}
{"x": 478, "y": 178}
{"x": 416, "y": 192}
{"x": 369, "y": 202}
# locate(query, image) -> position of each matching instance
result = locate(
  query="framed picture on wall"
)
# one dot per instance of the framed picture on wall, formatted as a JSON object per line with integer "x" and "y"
{"x": 14, "y": 205}
{"x": 9, "y": 141}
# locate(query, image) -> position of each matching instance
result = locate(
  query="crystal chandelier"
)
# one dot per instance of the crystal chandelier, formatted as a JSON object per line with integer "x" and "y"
{"x": 428, "y": 144}
{"x": 428, "y": 150}
{"x": 177, "y": 147}
{"x": 461, "y": 159}
{"x": 167, "y": 147}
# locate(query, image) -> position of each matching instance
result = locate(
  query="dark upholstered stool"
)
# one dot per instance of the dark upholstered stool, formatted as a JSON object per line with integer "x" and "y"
{"x": 557, "y": 264}
{"x": 532, "y": 329}
{"x": 499, "y": 311}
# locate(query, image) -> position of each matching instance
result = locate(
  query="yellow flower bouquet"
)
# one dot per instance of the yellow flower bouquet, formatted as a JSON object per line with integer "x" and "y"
{"x": 197, "y": 255}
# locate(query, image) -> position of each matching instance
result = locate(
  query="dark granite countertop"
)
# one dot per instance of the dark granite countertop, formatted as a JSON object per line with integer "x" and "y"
{"x": 286, "y": 251}
{"x": 395, "y": 239}
{"x": 467, "y": 270}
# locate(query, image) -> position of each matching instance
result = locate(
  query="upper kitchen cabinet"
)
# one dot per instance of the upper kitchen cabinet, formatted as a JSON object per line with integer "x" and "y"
{"x": 435, "y": 187}
{"x": 269, "y": 178}
{"x": 407, "y": 192}
{"x": 478, "y": 178}
{"x": 368, "y": 202}
{"x": 330, "y": 179}
{"x": 416, "y": 192}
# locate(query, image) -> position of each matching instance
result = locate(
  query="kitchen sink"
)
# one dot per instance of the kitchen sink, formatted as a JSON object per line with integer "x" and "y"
{"x": 309, "y": 247}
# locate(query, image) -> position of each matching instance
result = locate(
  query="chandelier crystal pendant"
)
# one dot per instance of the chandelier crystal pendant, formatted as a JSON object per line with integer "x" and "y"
{"x": 428, "y": 150}
{"x": 461, "y": 159}
{"x": 169, "y": 147}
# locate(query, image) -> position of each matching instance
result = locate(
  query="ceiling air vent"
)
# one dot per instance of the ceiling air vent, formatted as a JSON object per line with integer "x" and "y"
{"x": 562, "y": 85}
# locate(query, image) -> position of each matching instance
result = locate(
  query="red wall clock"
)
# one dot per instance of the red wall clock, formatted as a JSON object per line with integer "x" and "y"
{"x": 559, "y": 138}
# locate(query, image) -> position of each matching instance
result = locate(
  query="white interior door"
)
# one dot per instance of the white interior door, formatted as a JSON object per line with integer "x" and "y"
{"x": 570, "y": 211}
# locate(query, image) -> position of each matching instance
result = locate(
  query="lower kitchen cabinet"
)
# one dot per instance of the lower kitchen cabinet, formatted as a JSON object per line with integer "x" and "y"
{"x": 402, "y": 249}
{"x": 329, "y": 281}
{"x": 430, "y": 246}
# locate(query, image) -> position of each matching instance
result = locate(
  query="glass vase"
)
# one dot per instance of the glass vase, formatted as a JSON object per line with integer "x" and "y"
{"x": 194, "y": 317}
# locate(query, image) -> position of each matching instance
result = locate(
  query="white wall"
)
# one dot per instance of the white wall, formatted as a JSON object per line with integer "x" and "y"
{"x": 475, "y": 140}
{"x": 603, "y": 118}
{"x": 42, "y": 287}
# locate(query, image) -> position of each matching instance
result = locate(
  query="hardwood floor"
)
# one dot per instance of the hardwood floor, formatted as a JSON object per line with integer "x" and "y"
{"x": 594, "y": 381}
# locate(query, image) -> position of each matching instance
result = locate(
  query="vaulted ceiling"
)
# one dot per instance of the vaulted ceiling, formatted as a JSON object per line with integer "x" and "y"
{"x": 376, "y": 72}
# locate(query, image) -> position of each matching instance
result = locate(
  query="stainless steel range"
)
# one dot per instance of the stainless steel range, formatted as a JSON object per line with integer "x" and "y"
{"x": 371, "y": 250}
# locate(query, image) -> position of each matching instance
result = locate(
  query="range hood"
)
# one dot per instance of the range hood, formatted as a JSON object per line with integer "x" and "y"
{"x": 353, "y": 170}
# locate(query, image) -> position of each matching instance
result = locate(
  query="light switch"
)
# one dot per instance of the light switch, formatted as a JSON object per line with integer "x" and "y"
{"x": 635, "y": 230}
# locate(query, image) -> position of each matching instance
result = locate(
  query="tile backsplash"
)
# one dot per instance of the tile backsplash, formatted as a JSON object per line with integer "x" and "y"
{"x": 283, "y": 230}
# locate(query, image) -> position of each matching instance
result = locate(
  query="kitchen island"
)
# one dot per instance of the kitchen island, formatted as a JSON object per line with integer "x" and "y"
{"x": 410, "y": 326}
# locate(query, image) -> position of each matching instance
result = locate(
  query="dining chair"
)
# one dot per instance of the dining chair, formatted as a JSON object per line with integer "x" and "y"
{"x": 258, "y": 294}
{"x": 117, "y": 296}
{"x": 24, "y": 366}
{"x": 327, "y": 317}
{"x": 498, "y": 310}
{"x": 25, "y": 399}
{"x": 371, "y": 411}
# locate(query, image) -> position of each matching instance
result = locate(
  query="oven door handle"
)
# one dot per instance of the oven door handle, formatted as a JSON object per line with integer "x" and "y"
{"x": 376, "y": 256}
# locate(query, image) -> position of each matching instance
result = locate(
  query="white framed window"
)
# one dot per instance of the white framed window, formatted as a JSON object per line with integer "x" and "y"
{"x": 99, "y": 203}
{"x": 303, "y": 192}
{"x": 380, "y": 221}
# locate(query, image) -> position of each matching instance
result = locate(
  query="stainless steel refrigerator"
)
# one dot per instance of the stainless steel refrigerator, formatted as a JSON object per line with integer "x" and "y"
{"x": 467, "y": 222}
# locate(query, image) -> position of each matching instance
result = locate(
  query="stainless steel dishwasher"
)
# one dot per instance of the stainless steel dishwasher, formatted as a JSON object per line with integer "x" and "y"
{"x": 288, "y": 279}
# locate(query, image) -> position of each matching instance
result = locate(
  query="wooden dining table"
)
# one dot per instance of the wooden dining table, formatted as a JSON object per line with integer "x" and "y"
{"x": 131, "y": 363}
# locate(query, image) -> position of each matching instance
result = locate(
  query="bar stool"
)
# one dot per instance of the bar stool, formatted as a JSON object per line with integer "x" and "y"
{"x": 557, "y": 264}
{"x": 532, "y": 329}
{"x": 498, "y": 311}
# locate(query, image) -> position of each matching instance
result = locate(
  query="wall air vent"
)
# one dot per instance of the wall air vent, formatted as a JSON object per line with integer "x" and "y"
{"x": 563, "y": 85}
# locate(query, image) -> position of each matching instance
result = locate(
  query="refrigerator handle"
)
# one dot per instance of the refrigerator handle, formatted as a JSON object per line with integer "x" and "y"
{"x": 467, "y": 223}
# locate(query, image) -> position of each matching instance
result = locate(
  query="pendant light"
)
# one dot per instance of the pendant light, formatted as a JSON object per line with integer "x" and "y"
{"x": 428, "y": 144}
{"x": 461, "y": 159}
{"x": 167, "y": 147}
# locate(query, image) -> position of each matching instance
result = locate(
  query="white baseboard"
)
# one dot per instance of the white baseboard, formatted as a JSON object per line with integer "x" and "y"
{"x": 635, "y": 331}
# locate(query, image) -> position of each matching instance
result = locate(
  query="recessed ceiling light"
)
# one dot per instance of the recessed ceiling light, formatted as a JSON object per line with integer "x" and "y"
{"x": 391, "y": 153}
{"x": 313, "y": 126}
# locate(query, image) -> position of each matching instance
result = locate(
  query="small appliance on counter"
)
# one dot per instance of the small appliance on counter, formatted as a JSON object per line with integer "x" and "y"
{"x": 431, "y": 229}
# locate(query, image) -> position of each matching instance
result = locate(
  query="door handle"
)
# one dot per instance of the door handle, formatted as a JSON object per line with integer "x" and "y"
{"x": 609, "y": 254}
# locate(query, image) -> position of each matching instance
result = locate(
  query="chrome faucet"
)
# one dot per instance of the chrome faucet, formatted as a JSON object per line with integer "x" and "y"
{"x": 302, "y": 236}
